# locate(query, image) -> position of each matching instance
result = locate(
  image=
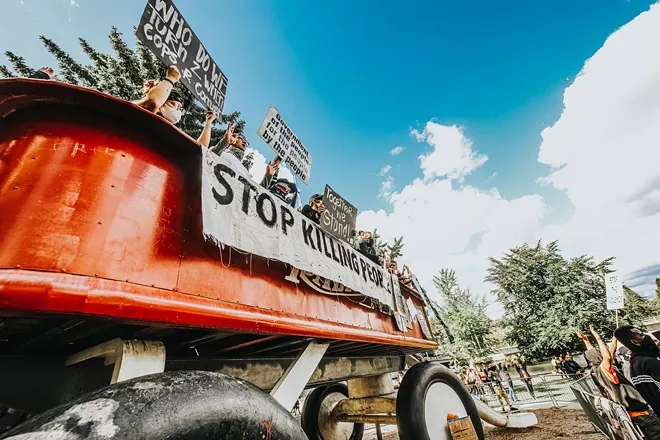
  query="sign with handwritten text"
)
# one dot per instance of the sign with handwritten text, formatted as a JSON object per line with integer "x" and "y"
{"x": 164, "y": 31}
{"x": 614, "y": 291}
{"x": 276, "y": 133}
{"x": 339, "y": 216}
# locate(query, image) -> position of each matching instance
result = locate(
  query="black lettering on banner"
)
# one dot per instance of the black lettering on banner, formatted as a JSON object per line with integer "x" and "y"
{"x": 347, "y": 258}
{"x": 340, "y": 248}
{"x": 307, "y": 234}
{"x": 247, "y": 187}
{"x": 370, "y": 273}
{"x": 228, "y": 197}
{"x": 318, "y": 240}
{"x": 332, "y": 248}
{"x": 354, "y": 260}
{"x": 287, "y": 219}
{"x": 270, "y": 222}
{"x": 364, "y": 269}
{"x": 325, "y": 246}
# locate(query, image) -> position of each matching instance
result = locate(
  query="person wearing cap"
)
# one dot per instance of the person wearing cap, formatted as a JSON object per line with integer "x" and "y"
{"x": 314, "y": 208}
{"x": 614, "y": 386}
{"x": 281, "y": 188}
{"x": 162, "y": 97}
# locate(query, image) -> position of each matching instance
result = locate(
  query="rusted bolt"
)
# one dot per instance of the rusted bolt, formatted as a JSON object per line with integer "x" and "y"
{"x": 123, "y": 155}
{"x": 96, "y": 274}
{"x": 99, "y": 223}
{"x": 63, "y": 270}
{"x": 174, "y": 289}
{"x": 15, "y": 187}
{"x": 112, "y": 186}
{"x": 18, "y": 266}
{"x": 34, "y": 158}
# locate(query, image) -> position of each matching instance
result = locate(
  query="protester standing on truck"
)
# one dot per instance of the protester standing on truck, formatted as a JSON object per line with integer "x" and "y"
{"x": 314, "y": 208}
{"x": 162, "y": 97}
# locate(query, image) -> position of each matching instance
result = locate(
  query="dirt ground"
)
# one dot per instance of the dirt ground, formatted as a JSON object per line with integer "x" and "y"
{"x": 553, "y": 424}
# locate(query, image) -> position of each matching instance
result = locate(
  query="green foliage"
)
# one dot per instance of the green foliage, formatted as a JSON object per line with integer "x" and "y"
{"x": 396, "y": 248}
{"x": 18, "y": 63}
{"x": 546, "y": 297}
{"x": 466, "y": 316}
{"x": 122, "y": 75}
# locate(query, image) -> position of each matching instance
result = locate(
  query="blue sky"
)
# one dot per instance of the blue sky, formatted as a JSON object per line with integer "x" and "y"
{"x": 354, "y": 78}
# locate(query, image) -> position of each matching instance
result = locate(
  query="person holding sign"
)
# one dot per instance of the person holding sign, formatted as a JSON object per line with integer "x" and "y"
{"x": 281, "y": 188}
{"x": 162, "y": 98}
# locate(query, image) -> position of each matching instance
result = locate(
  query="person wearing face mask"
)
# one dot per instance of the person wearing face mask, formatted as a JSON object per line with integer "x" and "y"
{"x": 162, "y": 98}
{"x": 644, "y": 363}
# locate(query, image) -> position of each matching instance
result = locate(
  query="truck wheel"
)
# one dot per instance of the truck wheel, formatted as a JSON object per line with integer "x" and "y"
{"x": 316, "y": 411}
{"x": 428, "y": 393}
{"x": 176, "y": 405}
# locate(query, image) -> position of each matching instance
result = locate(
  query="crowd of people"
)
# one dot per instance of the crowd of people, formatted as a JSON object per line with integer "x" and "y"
{"x": 495, "y": 379}
{"x": 164, "y": 98}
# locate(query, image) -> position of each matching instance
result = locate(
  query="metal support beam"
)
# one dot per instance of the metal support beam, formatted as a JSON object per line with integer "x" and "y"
{"x": 131, "y": 358}
{"x": 293, "y": 381}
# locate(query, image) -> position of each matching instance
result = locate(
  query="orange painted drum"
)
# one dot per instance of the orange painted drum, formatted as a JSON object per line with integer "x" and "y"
{"x": 100, "y": 214}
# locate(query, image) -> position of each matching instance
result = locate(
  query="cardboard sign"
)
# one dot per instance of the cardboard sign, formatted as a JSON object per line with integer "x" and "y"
{"x": 614, "y": 291}
{"x": 166, "y": 33}
{"x": 339, "y": 216}
{"x": 286, "y": 144}
{"x": 462, "y": 429}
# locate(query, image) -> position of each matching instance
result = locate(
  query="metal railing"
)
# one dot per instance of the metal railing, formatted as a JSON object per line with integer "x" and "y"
{"x": 554, "y": 388}
{"x": 606, "y": 416}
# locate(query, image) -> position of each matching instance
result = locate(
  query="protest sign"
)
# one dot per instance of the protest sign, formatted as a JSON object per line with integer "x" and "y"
{"x": 339, "y": 216}
{"x": 164, "y": 31}
{"x": 238, "y": 212}
{"x": 613, "y": 291}
{"x": 286, "y": 144}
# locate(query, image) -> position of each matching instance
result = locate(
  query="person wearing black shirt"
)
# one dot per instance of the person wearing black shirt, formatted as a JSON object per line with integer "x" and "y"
{"x": 644, "y": 363}
{"x": 366, "y": 246}
{"x": 615, "y": 386}
{"x": 314, "y": 208}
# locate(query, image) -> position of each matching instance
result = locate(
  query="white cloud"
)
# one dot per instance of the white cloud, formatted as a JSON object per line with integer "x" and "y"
{"x": 455, "y": 228}
{"x": 397, "y": 150}
{"x": 452, "y": 155}
{"x": 386, "y": 169}
{"x": 259, "y": 168}
{"x": 604, "y": 153}
{"x": 73, "y": 3}
{"x": 604, "y": 149}
{"x": 386, "y": 188}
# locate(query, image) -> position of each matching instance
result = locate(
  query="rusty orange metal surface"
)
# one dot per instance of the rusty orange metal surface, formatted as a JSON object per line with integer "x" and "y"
{"x": 100, "y": 214}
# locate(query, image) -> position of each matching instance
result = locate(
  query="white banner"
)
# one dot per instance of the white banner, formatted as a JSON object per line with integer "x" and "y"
{"x": 286, "y": 144}
{"x": 614, "y": 291}
{"x": 238, "y": 212}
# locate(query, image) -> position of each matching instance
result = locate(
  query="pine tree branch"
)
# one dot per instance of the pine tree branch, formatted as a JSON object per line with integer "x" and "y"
{"x": 19, "y": 65}
{"x": 5, "y": 72}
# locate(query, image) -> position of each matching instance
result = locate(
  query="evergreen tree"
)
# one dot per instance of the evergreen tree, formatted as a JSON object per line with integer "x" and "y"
{"x": 70, "y": 70}
{"x": 18, "y": 63}
{"x": 396, "y": 248}
{"x": 122, "y": 75}
{"x": 248, "y": 160}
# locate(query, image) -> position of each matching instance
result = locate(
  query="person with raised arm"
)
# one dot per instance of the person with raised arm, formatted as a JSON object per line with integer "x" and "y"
{"x": 232, "y": 143}
{"x": 281, "y": 188}
{"x": 614, "y": 385}
{"x": 162, "y": 97}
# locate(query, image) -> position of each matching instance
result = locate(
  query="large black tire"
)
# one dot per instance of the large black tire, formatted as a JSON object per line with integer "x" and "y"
{"x": 414, "y": 400}
{"x": 177, "y": 405}
{"x": 317, "y": 407}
